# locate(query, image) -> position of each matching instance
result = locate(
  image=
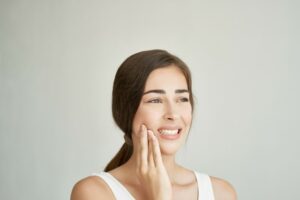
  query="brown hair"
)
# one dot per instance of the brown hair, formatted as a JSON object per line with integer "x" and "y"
{"x": 128, "y": 89}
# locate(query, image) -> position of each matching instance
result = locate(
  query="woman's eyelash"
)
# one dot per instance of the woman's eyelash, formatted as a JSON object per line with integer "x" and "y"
{"x": 154, "y": 101}
{"x": 184, "y": 99}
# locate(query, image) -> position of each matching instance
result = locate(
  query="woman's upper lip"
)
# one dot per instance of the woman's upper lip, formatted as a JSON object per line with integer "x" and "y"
{"x": 169, "y": 127}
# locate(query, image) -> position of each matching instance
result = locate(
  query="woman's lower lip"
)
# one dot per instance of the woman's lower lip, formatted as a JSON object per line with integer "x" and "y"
{"x": 169, "y": 137}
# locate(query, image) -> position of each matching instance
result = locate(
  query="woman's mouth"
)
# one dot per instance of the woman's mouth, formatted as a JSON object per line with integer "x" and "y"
{"x": 169, "y": 134}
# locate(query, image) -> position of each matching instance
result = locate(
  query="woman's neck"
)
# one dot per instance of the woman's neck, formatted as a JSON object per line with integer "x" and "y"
{"x": 168, "y": 160}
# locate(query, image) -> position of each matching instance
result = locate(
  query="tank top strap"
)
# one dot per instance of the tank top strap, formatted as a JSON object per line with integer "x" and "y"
{"x": 119, "y": 190}
{"x": 205, "y": 190}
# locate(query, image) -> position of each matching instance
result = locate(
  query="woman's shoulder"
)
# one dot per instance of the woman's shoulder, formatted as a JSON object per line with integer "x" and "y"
{"x": 91, "y": 188}
{"x": 223, "y": 190}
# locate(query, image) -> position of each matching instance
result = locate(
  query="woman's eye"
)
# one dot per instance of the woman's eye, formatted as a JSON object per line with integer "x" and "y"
{"x": 154, "y": 101}
{"x": 184, "y": 99}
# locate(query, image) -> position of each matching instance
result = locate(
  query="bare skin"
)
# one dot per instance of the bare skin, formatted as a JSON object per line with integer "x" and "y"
{"x": 152, "y": 172}
{"x": 151, "y": 179}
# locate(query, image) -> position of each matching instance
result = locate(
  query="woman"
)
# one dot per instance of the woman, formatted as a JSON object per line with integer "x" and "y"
{"x": 153, "y": 105}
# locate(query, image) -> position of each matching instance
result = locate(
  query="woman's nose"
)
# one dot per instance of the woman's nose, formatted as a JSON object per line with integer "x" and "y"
{"x": 170, "y": 112}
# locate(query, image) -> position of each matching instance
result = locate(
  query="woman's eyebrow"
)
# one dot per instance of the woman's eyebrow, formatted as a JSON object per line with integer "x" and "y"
{"x": 155, "y": 91}
{"x": 178, "y": 91}
{"x": 181, "y": 91}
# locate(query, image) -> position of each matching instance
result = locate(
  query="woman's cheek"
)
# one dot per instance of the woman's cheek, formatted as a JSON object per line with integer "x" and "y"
{"x": 187, "y": 114}
{"x": 150, "y": 119}
{"x": 143, "y": 116}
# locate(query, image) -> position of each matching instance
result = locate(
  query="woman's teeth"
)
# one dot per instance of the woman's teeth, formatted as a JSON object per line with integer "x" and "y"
{"x": 168, "y": 132}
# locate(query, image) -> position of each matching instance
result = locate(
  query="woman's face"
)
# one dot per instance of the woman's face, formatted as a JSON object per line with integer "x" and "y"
{"x": 165, "y": 108}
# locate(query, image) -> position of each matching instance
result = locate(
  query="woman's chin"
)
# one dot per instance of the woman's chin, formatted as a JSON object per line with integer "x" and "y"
{"x": 170, "y": 145}
{"x": 169, "y": 149}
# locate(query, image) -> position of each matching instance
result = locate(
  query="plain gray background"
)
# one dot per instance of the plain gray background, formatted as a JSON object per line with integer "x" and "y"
{"x": 57, "y": 64}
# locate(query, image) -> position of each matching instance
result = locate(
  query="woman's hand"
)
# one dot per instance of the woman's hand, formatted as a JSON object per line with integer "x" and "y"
{"x": 150, "y": 168}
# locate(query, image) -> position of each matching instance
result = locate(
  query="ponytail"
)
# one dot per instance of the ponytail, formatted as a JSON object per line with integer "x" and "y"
{"x": 120, "y": 158}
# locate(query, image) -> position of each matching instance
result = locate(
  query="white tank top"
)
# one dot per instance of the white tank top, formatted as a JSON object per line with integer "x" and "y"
{"x": 205, "y": 191}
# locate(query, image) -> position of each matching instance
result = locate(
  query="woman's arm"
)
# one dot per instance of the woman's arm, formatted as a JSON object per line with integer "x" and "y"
{"x": 91, "y": 188}
{"x": 223, "y": 190}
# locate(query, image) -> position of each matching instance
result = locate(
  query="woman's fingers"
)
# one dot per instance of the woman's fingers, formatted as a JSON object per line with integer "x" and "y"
{"x": 150, "y": 150}
{"x": 151, "y": 172}
{"x": 143, "y": 157}
{"x": 140, "y": 146}
{"x": 136, "y": 146}
{"x": 155, "y": 150}
{"x": 146, "y": 147}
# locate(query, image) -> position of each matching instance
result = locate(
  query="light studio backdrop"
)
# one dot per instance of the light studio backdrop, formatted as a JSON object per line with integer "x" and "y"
{"x": 57, "y": 64}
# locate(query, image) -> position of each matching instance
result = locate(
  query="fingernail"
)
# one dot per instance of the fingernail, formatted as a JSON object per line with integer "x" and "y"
{"x": 142, "y": 127}
{"x": 150, "y": 132}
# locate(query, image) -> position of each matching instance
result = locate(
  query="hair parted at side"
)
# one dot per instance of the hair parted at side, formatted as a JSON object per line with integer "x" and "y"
{"x": 128, "y": 88}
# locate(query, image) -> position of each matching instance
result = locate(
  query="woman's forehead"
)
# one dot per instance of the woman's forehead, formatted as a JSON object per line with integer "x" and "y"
{"x": 170, "y": 77}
